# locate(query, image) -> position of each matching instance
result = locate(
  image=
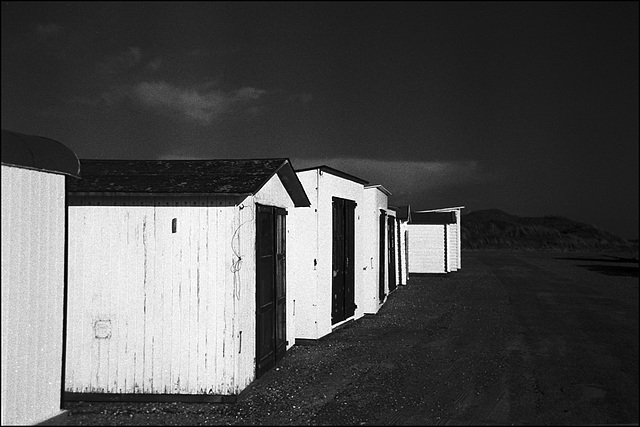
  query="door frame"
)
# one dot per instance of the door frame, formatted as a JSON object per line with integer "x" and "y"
{"x": 274, "y": 306}
{"x": 343, "y": 304}
{"x": 382, "y": 255}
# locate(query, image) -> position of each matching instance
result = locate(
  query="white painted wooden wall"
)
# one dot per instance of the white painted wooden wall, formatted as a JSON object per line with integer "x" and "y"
{"x": 404, "y": 270}
{"x": 373, "y": 201}
{"x": 33, "y": 218}
{"x": 426, "y": 248}
{"x": 452, "y": 247}
{"x": 152, "y": 311}
{"x": 312, "y": 230}
{"x": 302, "y": 258}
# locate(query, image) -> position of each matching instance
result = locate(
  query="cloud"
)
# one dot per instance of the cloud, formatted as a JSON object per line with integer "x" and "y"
{"x": 49, "y": 30}
{"x": 201, "y": 105}
{"x": 403, "y": 177}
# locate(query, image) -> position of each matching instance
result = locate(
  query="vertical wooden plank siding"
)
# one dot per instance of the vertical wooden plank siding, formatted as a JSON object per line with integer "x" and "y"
{"x": 302, "y": 260}
{"x": 426, "y": 251}
{"x": 452, "y": 246}
{"x": 33, "y": 215}
{"x": 243, "y": 268}
{"x": 156, "y": 311}
{"x": 314, "y": 273}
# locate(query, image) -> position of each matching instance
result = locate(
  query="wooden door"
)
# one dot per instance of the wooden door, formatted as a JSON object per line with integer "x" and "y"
{"x": 343, "y": 282}
{"x": 391, "y": 253}
{"x": 271, "y": 328}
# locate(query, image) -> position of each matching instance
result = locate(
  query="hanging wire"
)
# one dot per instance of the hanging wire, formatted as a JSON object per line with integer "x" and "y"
{"x": 236, "y": 265}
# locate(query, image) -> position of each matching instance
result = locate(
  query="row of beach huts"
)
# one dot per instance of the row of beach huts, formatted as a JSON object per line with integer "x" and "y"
{"x": 186, "y": 280}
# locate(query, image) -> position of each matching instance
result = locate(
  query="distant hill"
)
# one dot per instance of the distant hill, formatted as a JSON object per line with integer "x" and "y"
{"x": 495, "y": 229}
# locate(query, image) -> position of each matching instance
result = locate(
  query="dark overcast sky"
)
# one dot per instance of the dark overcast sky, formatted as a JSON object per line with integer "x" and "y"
{"x": 528, "y": 107}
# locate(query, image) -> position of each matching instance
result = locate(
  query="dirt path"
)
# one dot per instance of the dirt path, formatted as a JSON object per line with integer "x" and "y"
{"x": 509, "y": 339}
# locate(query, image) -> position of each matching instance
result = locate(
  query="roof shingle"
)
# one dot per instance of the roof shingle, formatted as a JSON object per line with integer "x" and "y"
{"x": 226, "y": 176}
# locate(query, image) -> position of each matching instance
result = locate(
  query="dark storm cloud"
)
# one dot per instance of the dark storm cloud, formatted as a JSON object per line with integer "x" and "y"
{"x": 528, "y": 107}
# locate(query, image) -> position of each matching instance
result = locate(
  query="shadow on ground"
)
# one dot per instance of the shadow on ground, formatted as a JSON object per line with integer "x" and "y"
{"x": 608, "y": 269}
{"x": 612, "y": 270}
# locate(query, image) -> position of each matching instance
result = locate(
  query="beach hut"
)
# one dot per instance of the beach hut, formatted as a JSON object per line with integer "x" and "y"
{"x": 378, "y": 266}
{"x": 177, "y": 277}
{"x": 403, "y": 216}
{"x": 33, "y": 275}
{"x": 454, "y": 235}
{"x": 326, "y": 247}
{"x": 427, "y": 242}
{"x": 389, "y": 248}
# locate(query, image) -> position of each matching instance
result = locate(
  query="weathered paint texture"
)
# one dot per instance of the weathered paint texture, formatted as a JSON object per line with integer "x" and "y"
{"x": 33, "y": 219}
{"x": 162, "y": 293}
{"x": 309, "y": 269}
{"x": 426, "y": 248}
{"x": 452, "y": 246}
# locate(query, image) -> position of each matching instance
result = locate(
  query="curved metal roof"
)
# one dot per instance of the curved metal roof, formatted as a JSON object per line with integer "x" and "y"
{"x": 39, "y": 153}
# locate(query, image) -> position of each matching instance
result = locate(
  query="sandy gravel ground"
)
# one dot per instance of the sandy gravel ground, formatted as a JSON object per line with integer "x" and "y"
{"x": 511, "y": 338}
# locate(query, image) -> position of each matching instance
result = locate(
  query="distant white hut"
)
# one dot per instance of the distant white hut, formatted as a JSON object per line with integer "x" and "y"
{"x": 177, "y": 277}
{"x": 427, "y": 242}
{"x": 378, "y": 255}
{"x": 454, "y": 237}
{"x": 403, "y": 216}
{"x": 33, "y": 275}
{"x": 326, "y": 247}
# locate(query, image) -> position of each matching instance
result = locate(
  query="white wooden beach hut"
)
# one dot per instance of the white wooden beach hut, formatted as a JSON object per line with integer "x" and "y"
{"x": 177, "y": 277}
{"x": 326, "y": 246}
{"x": 403, "y": 216}
{"x": 33, "y": 275}
{"x": 454, "y": 236}
{"x": 389, "y": 249}
{"x": 427, "y": 242}
{"x": 378, "y": 241}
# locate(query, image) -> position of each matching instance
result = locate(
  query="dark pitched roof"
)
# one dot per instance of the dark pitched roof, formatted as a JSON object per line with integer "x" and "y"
{"x": 336, "y": 172}
{"x": 432, "y": 218}
{"x": 39, "y": 153}
{"x": 228, "y": 176}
